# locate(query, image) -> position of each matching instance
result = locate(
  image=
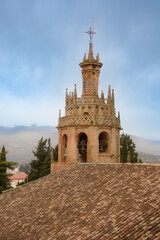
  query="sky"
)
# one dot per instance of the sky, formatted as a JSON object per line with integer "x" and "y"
{"x": 42, "y": 43}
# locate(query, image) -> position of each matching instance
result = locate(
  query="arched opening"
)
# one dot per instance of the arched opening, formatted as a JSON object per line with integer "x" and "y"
{"x": 82, "y": 147}
{"x": 64, "y": 147}
{"x": 103, "y": 142}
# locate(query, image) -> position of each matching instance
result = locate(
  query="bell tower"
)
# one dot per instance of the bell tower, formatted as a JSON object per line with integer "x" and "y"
{"x": 90, "y": 71}
{"x": 90, "y": 130}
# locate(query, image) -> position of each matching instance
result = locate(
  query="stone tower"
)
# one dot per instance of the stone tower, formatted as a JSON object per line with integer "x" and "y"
{"x": 90, "y": 130}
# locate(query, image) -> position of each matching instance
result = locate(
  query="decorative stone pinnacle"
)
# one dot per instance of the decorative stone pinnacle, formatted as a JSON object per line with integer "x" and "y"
{"x": 109, "y": 91}
{"x": 97, "y": 57}
{"x": 75, "y": 91}
{"x": 113, "y": 94}
{"x": 66, "y": 92}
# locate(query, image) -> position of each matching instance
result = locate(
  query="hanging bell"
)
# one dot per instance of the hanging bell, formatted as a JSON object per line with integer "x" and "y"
{"x": 65, "y": 153}
{"x": 101, "y": 148}
{"x": 83, "y": 148}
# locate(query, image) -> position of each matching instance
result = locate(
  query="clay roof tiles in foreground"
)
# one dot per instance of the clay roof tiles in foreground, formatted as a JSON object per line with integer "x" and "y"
{"x": 86, "y": 201}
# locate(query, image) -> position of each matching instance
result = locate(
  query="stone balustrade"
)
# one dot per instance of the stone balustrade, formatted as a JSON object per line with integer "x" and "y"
{"x": 81, "y": 100}
{"x": 89, "y": 121}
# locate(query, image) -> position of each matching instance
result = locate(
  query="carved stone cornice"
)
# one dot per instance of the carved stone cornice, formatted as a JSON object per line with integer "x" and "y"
{"x": 89, "y": 121}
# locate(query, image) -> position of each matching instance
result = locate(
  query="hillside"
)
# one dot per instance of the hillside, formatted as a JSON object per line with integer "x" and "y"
{"x": 149, "y": 158}
{"x": 146, "y": 146}
{"x": 21, "y": 141}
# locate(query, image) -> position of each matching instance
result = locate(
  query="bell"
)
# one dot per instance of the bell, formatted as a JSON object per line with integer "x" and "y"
{"x": 101, "y": 148}
{"x": 83, "y": 148}
{"x": 65, "y": 154}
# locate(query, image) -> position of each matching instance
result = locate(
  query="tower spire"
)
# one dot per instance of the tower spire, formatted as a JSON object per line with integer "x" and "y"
{"x": 90, "y": 54}
{"x": 90, "y": 32}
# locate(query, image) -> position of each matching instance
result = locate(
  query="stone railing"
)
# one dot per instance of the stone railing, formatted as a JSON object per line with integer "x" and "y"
{"x": 89, "y": 121}
{"x": 81, "y": 100}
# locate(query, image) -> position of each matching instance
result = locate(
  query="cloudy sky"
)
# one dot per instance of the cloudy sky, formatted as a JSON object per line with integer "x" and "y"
{"x": 42, "y": 43}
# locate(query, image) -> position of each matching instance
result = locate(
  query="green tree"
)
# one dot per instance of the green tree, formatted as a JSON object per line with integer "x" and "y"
{"x": 41, "y": 165}
{"x": 127, "y": 146}
{"x": 24, "y": 168}
{"x": 4, "y": 176}
{"x": 55, "y": 151}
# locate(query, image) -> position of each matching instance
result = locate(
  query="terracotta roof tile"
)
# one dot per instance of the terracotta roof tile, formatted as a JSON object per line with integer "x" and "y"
{"x": 18, "y": 176}
{"x": 86, "y": 201}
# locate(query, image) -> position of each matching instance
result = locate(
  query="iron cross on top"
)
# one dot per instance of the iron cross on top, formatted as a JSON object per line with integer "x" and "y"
{"x": 90, "y": 32}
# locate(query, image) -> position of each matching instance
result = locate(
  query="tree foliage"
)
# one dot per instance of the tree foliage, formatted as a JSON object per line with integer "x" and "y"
{"x": 41, "y": 165}
{"x": 4, "y": 180}
{"x": 55, "y": 151}
{"x": 127, "y": 146}
{"x": 24, "y": 168}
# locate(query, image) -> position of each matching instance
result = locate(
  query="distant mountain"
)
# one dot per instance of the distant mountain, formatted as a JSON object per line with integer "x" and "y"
{"x": 149, "y": 158}
{"x": 146, "y": 146}
{"x": 157, "y": 142}
{"x": 20, "y": 141}
{"x": 17, "y": 129}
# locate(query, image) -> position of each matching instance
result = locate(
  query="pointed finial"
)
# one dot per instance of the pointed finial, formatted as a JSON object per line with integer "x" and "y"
{"x": 97, "y": 57}
{"x": 109, "y": 91}
{"x": 102, "y": 94}
{"x": 113, "y": 94}
{"x": 66, "y": 92}
{"x": 84, "y": 59}
{"x": 90, "y": 54}
{"x": 59, "y": 113}
{"x": 75, "y": 91}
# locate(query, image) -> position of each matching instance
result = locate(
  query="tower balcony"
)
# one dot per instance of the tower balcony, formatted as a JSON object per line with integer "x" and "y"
{"x": 89, "y": 121}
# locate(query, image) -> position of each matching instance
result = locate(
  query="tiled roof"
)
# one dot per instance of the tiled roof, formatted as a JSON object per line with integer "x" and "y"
{"x": 18, "y": 176}
{"x": 85, "y": 202}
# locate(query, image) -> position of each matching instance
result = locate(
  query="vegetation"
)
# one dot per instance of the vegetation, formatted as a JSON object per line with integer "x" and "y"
{"x": 41, "y": 165}
{"x": 55, "y": 151}
{"x": 127, "y": 147}
{"x": 4, "y": 165}
{"x": 24, "y": 168}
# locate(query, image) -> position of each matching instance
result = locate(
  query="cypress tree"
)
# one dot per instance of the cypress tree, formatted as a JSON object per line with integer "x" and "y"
{"x": 126, "y": 146}
{"x": 41, "y": 165}
{"x": 4, "y": 180}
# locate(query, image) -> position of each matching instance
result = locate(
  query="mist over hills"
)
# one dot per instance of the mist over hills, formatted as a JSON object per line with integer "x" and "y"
{"x": 20, "y": 141}
{"x": 146, "y": 146}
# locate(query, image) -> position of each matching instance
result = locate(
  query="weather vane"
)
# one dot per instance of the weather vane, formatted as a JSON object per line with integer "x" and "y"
{"x": 90, "y": 32}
